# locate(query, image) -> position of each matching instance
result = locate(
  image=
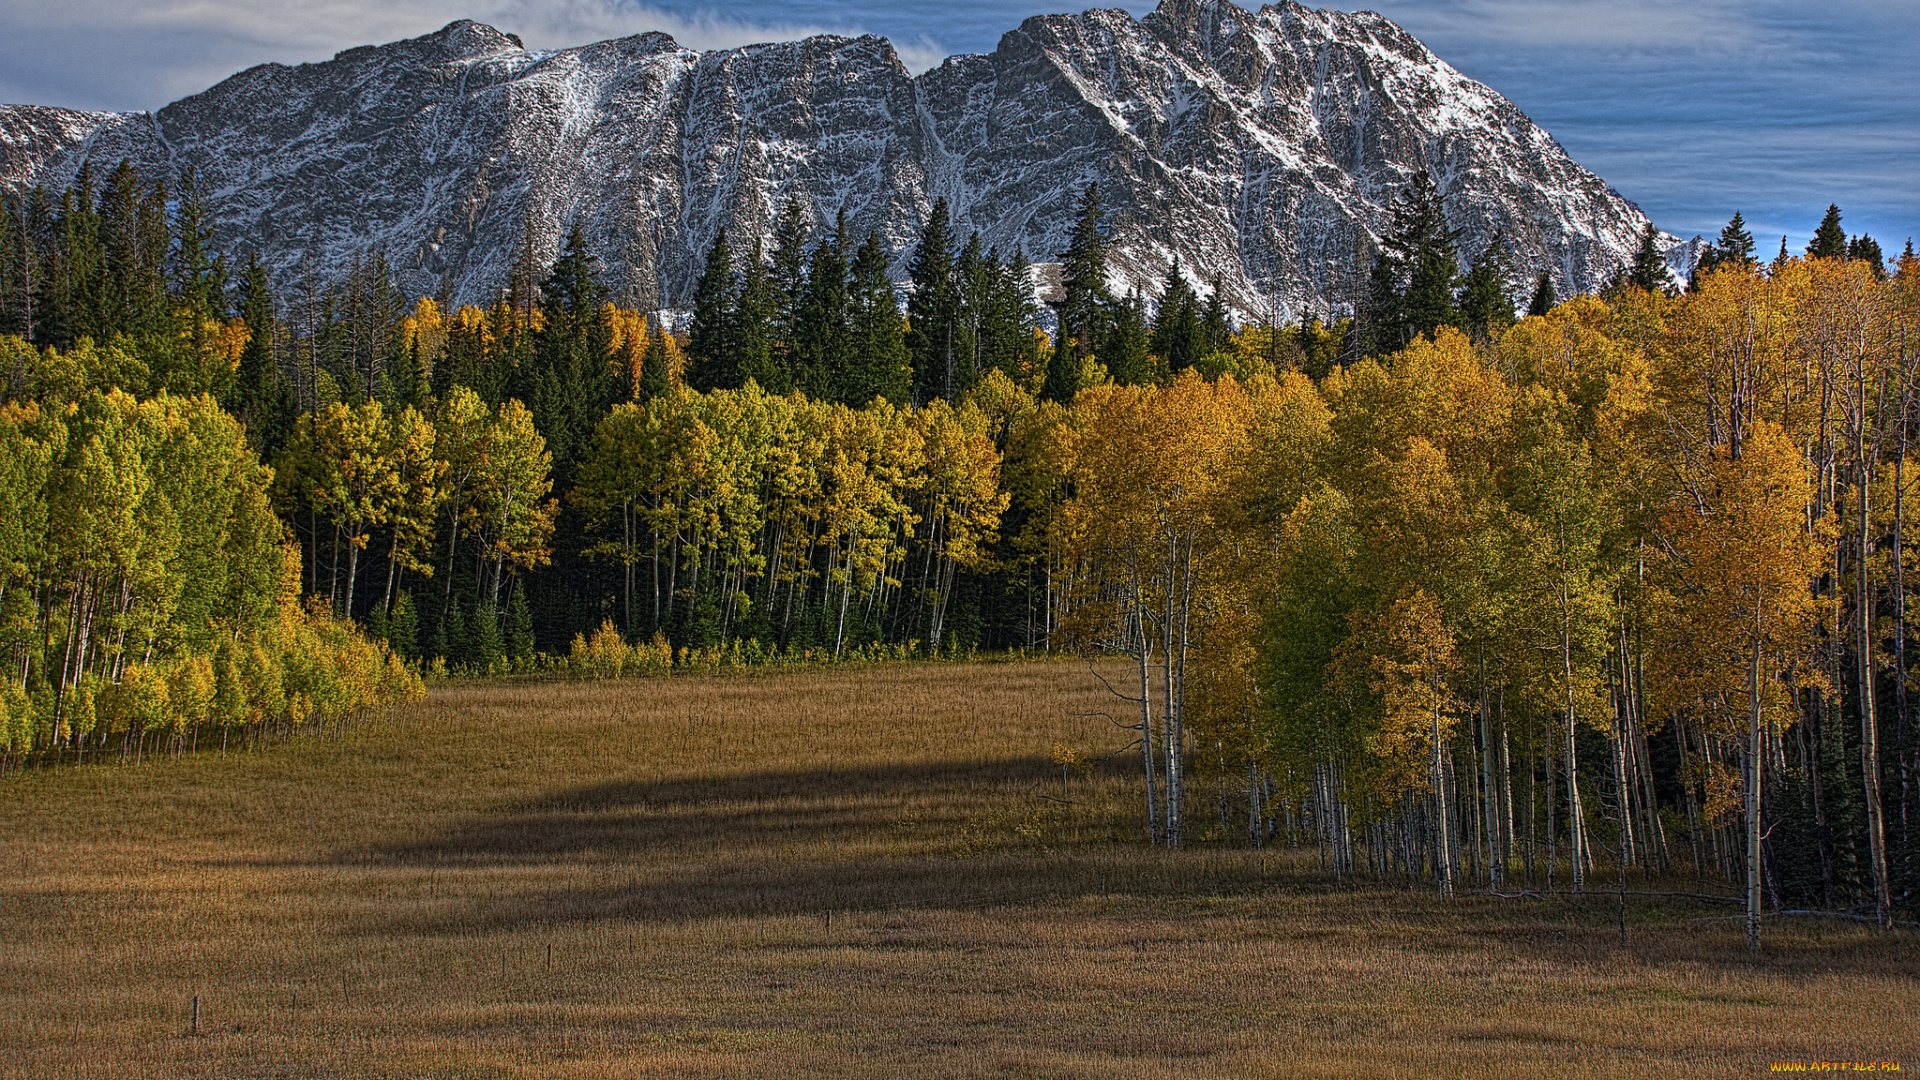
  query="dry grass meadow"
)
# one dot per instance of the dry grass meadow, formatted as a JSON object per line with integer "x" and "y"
{"x": 874, "y": 872}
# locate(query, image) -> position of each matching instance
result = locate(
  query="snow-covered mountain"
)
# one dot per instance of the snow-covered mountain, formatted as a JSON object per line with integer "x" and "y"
{"x": 1263, "y": 149}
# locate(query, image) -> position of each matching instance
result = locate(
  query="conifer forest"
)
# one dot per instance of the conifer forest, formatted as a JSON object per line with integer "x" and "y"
{"x": 1462, "y": 597}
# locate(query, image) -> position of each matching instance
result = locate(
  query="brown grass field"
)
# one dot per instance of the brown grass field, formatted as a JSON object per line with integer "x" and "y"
{"x": 866, "y": 872}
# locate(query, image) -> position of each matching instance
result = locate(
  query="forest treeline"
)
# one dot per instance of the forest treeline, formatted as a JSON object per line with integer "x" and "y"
{"x": 1455, "y": 594}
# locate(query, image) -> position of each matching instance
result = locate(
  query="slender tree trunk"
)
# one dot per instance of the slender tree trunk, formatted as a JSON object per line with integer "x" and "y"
{"x": 1753, "y": 798}
{"x": 1143, "y": 653}
{"x": 1869, "y": 722}
{"x": 1442, "y": 857}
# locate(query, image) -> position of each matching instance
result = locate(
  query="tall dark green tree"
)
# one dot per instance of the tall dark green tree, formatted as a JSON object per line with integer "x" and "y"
{"x": 1006, "y": 329}
{"x": 787, "y": 282}
{"x": 1648, "y": 270}
{"x": 572, "y": 383}
{"x": 1083, "y": 281}
{"x": 710, "y": 360}
{"x": 1176, "y": 336}
{"x": 260, "y": 396}
{"x": 973, "y": 283}
{"x": 1486, "y": 308}
{"x": 1829, "y": 240}
{"x": 655, "y": 378}
{"x": 820, "y": 331}
{"x": 1425, "y": 246}
{"x": 933, "y": 310}
{"x": 1735, "y": 247}
{"x": 1379, "y": 327}
{"x": 753, "y": 327}
{"x": 1125, "y": 349}
{"x": 1544, "y": 297}
{"x": 876, "y": 362}
{"x": 1215, "y": 333}
{"x": 1866, "y": 249}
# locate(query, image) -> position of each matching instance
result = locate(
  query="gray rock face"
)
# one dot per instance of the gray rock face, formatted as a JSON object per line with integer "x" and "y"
{"x": 1263, "y": 150}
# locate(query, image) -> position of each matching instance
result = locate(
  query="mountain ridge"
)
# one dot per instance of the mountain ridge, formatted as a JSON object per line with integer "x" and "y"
{"x": 1266, "y": 148}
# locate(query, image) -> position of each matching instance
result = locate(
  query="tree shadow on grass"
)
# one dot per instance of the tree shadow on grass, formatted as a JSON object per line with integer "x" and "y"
{"x": 941, "y": 834}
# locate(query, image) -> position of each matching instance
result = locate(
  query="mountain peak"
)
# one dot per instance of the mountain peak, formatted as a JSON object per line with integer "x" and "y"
{"x": 1266, "y": 147}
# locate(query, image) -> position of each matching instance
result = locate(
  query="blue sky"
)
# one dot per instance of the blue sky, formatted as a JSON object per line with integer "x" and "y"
{"x": 1693, "y": 110}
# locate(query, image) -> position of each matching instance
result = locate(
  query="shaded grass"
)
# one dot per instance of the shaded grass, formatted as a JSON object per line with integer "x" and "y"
{"x": 872, "y": 872}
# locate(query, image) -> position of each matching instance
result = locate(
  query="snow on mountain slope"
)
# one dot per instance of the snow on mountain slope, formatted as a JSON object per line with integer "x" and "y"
{"x": 1265, "y": 150}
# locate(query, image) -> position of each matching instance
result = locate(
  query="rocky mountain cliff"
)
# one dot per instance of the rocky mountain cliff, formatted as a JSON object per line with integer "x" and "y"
{"x": 1265, "y": 149}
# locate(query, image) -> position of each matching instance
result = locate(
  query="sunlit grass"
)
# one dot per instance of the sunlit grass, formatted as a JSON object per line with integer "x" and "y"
{"x": 872, "y": 872}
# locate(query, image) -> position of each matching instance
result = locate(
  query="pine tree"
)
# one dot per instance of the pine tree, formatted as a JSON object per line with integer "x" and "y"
{"x": 1424, "y": 244}
{"x": 1544, "y": 298}
{"x": 1215, "y": 334}
{"x": 1125, "y": 349}
{"x": 1485, "y": 306}
{"x": 573, "y": 383}
{"x": 1866, "y": 249}
{"x": 932, "y": 309}
{"x": 877, "y": 364}
{"x": 259, "y": 396}
{"x": 403, "y": 627}
{"x": 1735, "y": 247}
{"x": 1176, "y": 336}
{"x": 973, "y": 280}
{"x": 1780, "y": 260}
{"x": 820, "y": 330}
{"x": 753, "y": 328}
{"x": 520, "y": 630}
{"x": 655, "y": 379}
{"x": 1006, "y": 329}
{"x": 1829, "y": 240}
{"x": 1648, "y": 270}
{"x": 1083, "y": 277}
{"x": 1379, "y": 327}
{"x": 710, "y": 358}
{"x": 787, "y": 284}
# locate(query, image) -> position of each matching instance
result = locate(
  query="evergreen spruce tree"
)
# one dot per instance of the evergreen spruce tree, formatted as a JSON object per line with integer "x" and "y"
{"x": 1215, "y": 334}
{"x": 973, "y": 278}
{"x": 1486, "y": 308}
{"x": 1829, "y": 240}
{"x": 877, "y": 364}
{"x": 520, "y": 631}
{"x": 13, "y": 262}
{"x": 655, "y": 378}
{"x": 1780, "y": 260}
{"x": 259, "y": 397}
{"x": 1866, "y": 249}
{"x": 573, "y": 383}
{"x": 1007, "y": 328}
{"x": 1379, "y": 327}
{"x": 820, "y": 331}
{"x": 932, "y": 309}
{"x": 1648, "y": 270}
{"x": 484, "y": 640}
{"x": 1176, "y": 334}
{"x": 787, "y": 285}
{"x": 710, "y": 360}
{"x": 1125, "y": 348}
{"x": 1735, "y": 247}
{"x": 457, "y": 636}
{"x": 752, "y": 329}
{"x": 403, "y": 627}
{"x": 1544, "y": 298}
{"x": 1083, "y": 279}
{"x": 1424, "y": 245}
